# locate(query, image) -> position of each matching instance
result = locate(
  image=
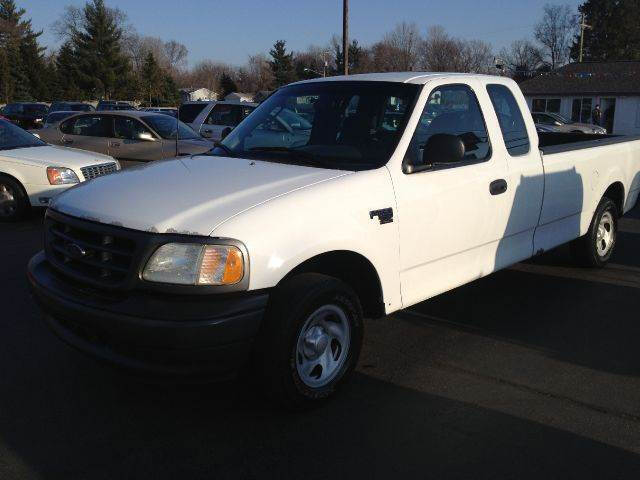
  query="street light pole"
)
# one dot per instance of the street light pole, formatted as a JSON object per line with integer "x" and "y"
{"x": 345, "y": 35}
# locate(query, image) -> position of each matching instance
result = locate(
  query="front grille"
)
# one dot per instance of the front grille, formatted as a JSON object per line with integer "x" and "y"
{"x": 93, "y": 171}
{"x": 89, "y": 253}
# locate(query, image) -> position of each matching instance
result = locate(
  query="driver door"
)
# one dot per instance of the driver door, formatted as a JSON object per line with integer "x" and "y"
{"x": 446, "y": 224}
{"x": 134, "y": 141}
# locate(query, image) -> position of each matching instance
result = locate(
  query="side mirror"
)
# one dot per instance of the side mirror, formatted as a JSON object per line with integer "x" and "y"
{"x": 225, "y": 133}
{"x": 146, "y": 136}
{"x": 440, "y": 149}
{"x": 206, "y": 133}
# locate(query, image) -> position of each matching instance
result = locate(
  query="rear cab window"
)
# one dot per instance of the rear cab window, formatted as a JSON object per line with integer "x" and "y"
{"x": 514, "y": 130}
{"x": 225, "y": 115}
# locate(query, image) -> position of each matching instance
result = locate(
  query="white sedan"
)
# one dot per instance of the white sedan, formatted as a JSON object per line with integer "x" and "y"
{"x": 32, "y": 172}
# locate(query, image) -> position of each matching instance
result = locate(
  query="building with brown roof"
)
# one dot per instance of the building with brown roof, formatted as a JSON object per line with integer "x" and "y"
{"x": 574, "y": 90}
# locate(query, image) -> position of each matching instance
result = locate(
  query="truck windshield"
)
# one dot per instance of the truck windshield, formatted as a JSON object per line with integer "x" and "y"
{"x": 349, "y": 125}
{"x": 12, "y": 137}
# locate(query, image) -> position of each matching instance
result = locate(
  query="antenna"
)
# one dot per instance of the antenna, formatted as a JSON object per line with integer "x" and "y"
{"x": 177, "y": 130}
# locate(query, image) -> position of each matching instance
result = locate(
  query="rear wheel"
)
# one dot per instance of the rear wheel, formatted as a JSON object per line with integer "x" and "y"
{"x": 596, "y": 247}
{"x": 310, "y": 341}
{"x": 14, "y": 203}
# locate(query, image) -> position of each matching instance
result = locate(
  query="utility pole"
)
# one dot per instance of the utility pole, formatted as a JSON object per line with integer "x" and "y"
{"x": 345, "y": 35}
{"x": 583, "y": 26}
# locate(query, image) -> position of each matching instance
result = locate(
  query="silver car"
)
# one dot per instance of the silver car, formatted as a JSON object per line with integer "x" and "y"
{"x": 215, "y": 120}
{"x": 562, "y": 124}
{"x": 127, "y": 135}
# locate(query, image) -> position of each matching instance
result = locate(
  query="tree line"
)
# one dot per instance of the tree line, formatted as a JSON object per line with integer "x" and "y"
{"x": 102, "y": 56}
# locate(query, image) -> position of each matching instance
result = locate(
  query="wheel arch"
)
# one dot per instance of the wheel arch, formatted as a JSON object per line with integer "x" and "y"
{"x": 17, "y": 180}
{"x": 615, "y": 191}
{"x": 355, "y": 270}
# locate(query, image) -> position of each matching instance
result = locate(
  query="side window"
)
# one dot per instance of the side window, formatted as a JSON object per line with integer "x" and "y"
{"x": 91, "y": 126}
{"x": 128, "y": 128}
{"x": 450, "y": 110}
{"x": 514, "y": 130}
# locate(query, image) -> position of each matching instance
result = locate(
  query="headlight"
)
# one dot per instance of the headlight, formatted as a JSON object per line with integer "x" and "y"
{"x": 195, "y": 264}
{"x": 61, "y": 176}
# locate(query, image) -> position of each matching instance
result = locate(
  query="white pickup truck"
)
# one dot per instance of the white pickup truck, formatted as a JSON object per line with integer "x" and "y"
{"x": 395, "y": 188}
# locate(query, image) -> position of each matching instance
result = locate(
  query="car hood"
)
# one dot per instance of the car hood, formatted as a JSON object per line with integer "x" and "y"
{"x": 50, "y": 155}
{"x": 190, "y": 195}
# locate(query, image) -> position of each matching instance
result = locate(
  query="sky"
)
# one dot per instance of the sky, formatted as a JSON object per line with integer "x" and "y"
{"x": 230, "y": 31}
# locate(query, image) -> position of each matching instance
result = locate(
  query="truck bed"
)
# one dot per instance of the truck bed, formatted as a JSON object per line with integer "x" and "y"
{"x": 567, "y": 142}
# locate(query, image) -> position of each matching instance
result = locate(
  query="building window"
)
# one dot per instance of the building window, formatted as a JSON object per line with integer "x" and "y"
{"x": 551, "y": 105}
{"x": 581, "y": 110}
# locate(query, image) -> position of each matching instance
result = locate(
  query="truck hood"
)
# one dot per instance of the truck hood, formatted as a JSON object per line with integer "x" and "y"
{"x": 187, "y": 195}
{"x": 49, "y": 155}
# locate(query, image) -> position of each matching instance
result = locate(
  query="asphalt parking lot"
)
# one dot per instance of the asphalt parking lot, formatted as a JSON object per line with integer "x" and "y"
{"x": 533, "y": 372}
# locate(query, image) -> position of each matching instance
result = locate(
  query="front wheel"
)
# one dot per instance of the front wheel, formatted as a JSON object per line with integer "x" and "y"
{"x": 310, "y": 341}
{"x": 596, "y": 247}
{"x": 14, "y": 204}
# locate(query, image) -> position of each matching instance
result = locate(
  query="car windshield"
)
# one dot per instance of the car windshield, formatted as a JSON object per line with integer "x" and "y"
{"x": 350, "y": 125}
{"x": 58, "y": 116}
{"x": 166, "y": 127}
{"x": 560, "y": 118}
{"x": 35, "y": 109}
{"x": 12, "y": 137}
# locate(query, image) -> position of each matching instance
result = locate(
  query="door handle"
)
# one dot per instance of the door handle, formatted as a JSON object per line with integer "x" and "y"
{"x": 67, "y": 141}
{"x": 498, "y": 187}
{"x": 115, "y": 144}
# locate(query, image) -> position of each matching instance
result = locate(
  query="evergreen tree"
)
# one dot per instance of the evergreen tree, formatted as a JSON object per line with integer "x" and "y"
{"x": 103, "y": 69}
{"x": 66, "y": 67}
{"x": 151, "y": 79}
{"x": 614, "y": 32}
{"x": 227, "y": 85}
{"x": 355, "y": 56}
{"x": 170, "y": 92}
{"x": 282, "y": 64}
{"x": 24, "y": 56}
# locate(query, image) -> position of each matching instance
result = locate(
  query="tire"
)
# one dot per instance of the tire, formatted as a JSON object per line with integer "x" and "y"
{"x": 596, "y": 247}
{"x": 310, "y": 340}
{"x": 14, "y": 203}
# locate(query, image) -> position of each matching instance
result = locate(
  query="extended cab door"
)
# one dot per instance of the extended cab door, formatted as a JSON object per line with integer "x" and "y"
{"x": 517, "y": 142}
{"x": 448, "y": 222}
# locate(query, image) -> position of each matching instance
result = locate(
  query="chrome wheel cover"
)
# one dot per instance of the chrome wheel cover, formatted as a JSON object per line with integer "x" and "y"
{"x": 605, "y": 235}
{"x": 8, "y": 202}
{"x": 323, "y": 346}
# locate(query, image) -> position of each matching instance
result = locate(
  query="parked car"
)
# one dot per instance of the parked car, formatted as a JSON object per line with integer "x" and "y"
{"x": 166, "y": 110}
{"x": 26, "y": 115}
{"x": 71, "y": 107}
{"x": 32, "y": 172}
{"x": 271, "y": 256}
{"x": 215, "y": 120}
{"x": 562, "y": 124}
{"x": 54, "y": 118}
{"x": 126, "y": 135}
{"x": 104, "y": 105}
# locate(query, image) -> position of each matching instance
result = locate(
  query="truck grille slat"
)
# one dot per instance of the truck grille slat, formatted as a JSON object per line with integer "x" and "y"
{"x": 93, "y": 171}
{"x": 89, "y": 254}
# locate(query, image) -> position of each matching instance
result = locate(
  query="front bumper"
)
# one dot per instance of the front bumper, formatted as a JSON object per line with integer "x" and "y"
{"x": 150, "y": 332}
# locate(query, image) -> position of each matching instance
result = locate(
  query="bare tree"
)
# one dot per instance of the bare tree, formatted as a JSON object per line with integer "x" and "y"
{"x": 522, "y": 59}
{"x": 72, "y": 21}
{"x": 176, "y": 54}
{"x": 443, "y": 53}
{"x": 256, "y": 75}
{"x": 555, "y": 32}
{"x": 403, "y": 44}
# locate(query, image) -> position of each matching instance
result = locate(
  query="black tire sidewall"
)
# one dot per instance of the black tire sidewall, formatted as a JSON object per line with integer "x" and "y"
{"x": 22, "y": 202}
